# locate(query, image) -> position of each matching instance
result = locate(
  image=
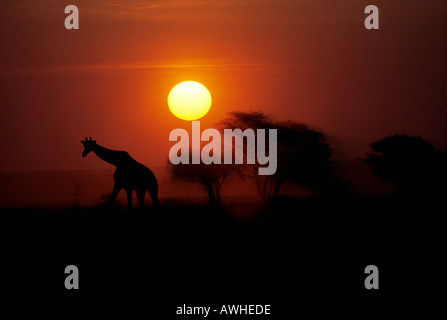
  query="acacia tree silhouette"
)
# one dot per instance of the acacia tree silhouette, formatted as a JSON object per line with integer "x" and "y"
{"x": 129, "y": 175}
{"x": 210, "y": 177}
{"x": 410, "y": 163}
{"x": 303, "y": 154}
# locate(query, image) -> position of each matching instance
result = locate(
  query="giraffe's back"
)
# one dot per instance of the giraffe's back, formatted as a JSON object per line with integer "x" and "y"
{"x": 131, "y": 174}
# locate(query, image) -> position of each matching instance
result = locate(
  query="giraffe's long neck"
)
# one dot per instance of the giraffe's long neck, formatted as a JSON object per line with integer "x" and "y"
{"x": 110, "y": 156}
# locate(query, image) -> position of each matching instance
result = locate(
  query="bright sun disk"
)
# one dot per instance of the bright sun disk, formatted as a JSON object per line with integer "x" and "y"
{"x": 189, "y": 100}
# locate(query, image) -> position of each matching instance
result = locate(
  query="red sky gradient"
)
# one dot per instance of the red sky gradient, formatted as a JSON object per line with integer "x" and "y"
{"x": 307, "y": 60}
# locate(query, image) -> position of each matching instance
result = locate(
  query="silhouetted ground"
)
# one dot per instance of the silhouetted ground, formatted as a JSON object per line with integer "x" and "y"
{"x": 291, "y": 249}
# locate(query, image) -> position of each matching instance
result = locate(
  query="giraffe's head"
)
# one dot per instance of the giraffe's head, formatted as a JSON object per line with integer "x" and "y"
{"x": 89, "y": 144}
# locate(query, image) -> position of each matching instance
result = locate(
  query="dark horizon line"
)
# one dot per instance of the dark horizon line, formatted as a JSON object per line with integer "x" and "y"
{"x": 358, "y": 159}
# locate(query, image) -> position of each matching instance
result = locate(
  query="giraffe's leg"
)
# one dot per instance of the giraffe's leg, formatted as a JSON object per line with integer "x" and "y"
{"x": 154, "y": 195}
{"x": 140, "y": 197}
{"x": 129, "y": 199}
{"x": 116, "y": 190}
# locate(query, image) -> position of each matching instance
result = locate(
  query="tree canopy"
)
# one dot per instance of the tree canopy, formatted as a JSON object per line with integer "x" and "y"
{"x": 303, "y": 153}
{"x": 210, "y": 177}
{"x": 410, "y": 163}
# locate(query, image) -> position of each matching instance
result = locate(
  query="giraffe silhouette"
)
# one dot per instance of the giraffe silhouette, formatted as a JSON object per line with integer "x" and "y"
{"x": 129, "y": 175}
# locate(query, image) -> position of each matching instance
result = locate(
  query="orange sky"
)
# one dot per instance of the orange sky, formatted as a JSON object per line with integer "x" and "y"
{"x": 307, "y": 60}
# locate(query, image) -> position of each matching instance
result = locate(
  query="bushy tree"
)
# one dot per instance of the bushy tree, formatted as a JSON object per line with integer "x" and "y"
{"x": 210, "y": 177}
{"x": 303, "y": 154}
{"x": 410, "y": 163}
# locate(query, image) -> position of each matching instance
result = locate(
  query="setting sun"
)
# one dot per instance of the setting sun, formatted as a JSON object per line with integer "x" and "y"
{"x": 189, "y": 100}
